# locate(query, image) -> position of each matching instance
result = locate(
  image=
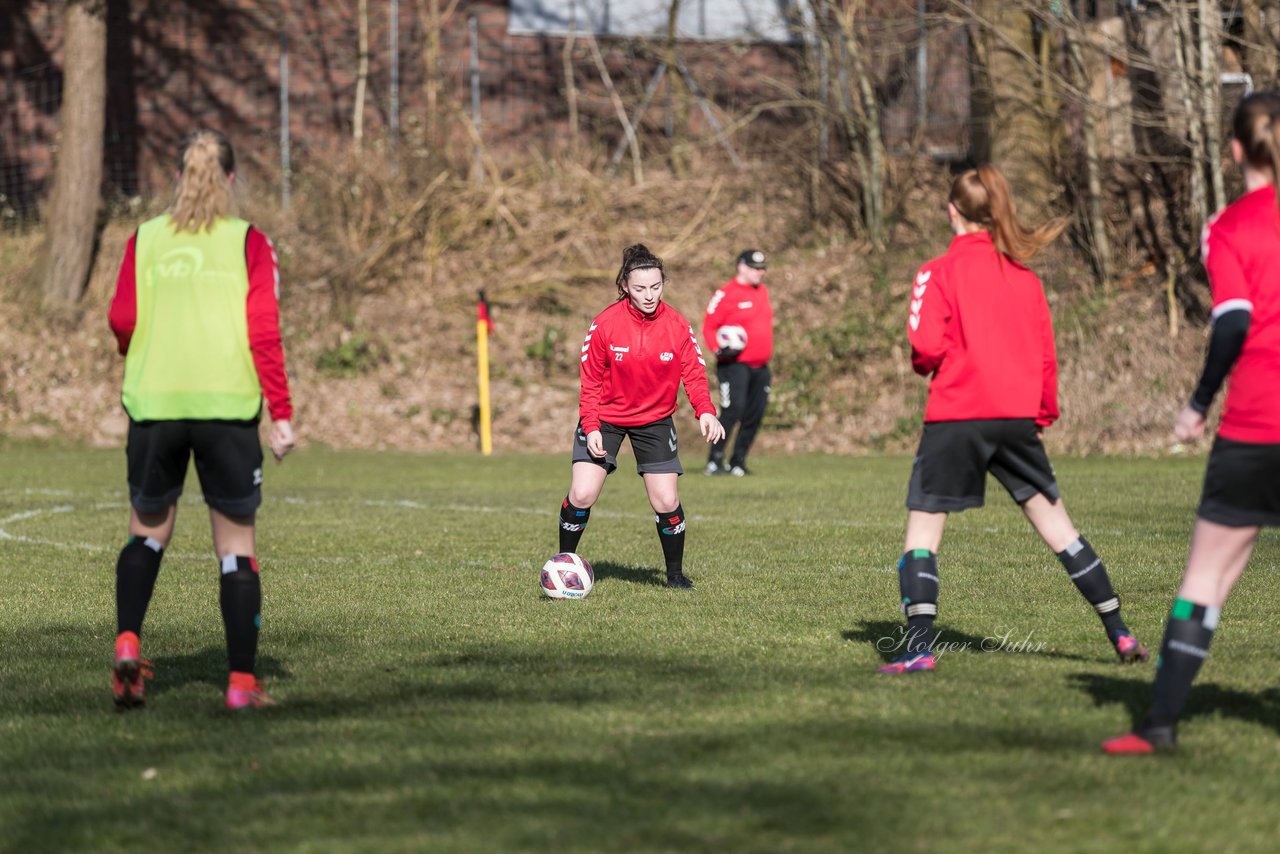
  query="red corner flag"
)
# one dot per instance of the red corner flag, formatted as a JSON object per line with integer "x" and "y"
{"x": 482, "y": 312}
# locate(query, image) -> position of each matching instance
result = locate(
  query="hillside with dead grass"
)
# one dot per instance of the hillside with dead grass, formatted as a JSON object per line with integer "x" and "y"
{"x": 381, "y": 270}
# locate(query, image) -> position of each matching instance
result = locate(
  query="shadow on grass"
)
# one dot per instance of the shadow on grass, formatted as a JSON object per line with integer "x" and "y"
{"x": 515, "y": 675}
{"x": 440, "y": 787}
{"x": 632, "y": 574}
{"x": 206, "y": 667}
{"x": 423, "y": 747}
{"x": 428, "y": 770}
{"x": 1135, "y": 695}
{"x": 890, "y": 640}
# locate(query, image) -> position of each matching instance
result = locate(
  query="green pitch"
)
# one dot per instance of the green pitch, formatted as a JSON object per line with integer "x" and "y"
{"x": 431, "y": 699}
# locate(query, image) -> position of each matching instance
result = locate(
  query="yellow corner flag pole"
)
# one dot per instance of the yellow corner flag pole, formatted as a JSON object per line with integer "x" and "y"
{"x": 484, "y": 325}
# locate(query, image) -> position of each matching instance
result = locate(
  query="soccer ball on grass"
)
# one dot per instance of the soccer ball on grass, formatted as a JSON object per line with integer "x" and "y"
{"x": 567, "y": 576}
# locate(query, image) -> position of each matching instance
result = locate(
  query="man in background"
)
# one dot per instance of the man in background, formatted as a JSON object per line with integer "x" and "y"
{"x": 738, "y": 328}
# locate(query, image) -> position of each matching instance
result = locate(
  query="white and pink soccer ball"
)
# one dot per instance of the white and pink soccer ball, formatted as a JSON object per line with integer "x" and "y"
{"x": 567, "y": 576}
{"x": 731, "y": 338}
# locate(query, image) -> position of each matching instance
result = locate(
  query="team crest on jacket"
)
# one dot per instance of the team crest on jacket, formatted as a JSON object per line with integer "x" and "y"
{"x": 666, "y": 357}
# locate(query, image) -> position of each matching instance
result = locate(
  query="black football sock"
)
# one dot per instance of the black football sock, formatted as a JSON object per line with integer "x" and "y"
{"x": 241, "y": 599}
{"x": 136, "y": 571}
{"x": 1185, "y": 647}
{"x": 671, "y": 533}
{"x": 573, "y": 521}
{"x": 918, "y": 584}
{"x": 1090, "y": 577}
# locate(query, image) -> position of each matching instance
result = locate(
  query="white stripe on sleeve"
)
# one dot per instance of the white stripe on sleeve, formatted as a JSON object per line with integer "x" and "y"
{"x": 1232, "y": 305}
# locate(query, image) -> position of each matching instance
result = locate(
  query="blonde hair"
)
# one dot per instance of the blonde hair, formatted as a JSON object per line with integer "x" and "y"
{"x": 205, "y": 161}
{"x": 982, "y": 196}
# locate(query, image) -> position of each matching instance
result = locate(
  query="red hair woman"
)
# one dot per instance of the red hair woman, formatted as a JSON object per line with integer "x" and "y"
{"x": 980, "y": 329}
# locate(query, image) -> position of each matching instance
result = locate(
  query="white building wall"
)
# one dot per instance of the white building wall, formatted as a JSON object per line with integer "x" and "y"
{"x": 707, "y": 20}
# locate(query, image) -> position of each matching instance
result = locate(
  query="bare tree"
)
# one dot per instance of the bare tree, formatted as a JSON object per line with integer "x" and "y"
{"x": 66, "y": 255}
{"x": 433, "y": 20}
{"x": 362, "y": 72}
{"x": 1099, "y": 238}
{"x": 1261, "y": 27}
{"x": 637, "y": 169}
{"x": 1198, "y": 44}
{"x": 1011, "y": 126}
{"x": 1210, "y": 25}
{"x": 678, "y": 94}
{"x": 855, "y": 102}
{"x": 570, "y": 79}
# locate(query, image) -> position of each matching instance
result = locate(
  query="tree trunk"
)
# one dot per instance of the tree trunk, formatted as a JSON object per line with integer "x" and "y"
{"x": 1011, "y": 130}
{"x": 570, "y": 78}
{"x": 1184, "y": 54}
{"x": 432, "y": 21}
{"x": 1259, "y": 52}
{"x": 873, "y": 191}
{"x": 1210, "y": 48}
{"x": 865, "y": 114}
{"x": 1093, "y": 168}
{"x": 856, "y": 104}
{"x": 67, "y": 252}
{"x": 678, "y": 95}
{"x": 362, "y": 72}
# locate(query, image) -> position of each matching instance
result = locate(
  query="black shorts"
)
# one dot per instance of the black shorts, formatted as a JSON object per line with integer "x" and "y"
{"x": 1241, "y": 484}
{"x": 228, "y": 462}
{"x": 654, "y": 444}
{"x": 950, "y": 470}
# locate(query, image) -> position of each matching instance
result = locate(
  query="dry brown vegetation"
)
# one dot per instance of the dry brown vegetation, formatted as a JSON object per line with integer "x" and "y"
{"x": 381, "y": 267}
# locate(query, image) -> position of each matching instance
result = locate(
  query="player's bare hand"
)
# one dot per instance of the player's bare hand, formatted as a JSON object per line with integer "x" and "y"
{"x": 595, "y": 444}
{"x": 712, "y": 429}
{"x": 280, "y": 440}
{"x": 1189, "y": 425}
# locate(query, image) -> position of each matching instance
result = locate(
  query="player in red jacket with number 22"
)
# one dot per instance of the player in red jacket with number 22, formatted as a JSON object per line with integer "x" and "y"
{"x": 636, "y": 354}
{"x": 979, "y": 325}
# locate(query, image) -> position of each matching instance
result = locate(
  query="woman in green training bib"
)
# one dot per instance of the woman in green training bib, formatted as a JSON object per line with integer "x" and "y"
{"x": 196, "y": 316}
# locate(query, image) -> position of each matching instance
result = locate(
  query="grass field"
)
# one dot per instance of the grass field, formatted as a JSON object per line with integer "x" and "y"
{"x": 431, "y": 699}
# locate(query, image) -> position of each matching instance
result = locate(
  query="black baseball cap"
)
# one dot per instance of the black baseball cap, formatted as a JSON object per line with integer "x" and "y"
{"x": 753, "y": 258}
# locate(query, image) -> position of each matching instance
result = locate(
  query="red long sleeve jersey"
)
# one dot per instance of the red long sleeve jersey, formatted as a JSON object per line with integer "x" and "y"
{"x": 261, "y": 306}
{"x": 1239, "y": 250}
{"x": 979, "y": 322}
{"x": 632, "y": 364}
{"x": 738, "y": 304}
